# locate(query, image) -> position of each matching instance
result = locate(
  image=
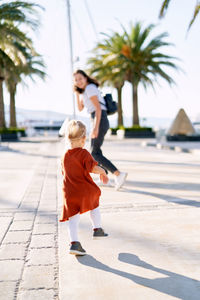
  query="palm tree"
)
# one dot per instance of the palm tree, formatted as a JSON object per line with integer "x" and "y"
{"x": 139, "y": 58}
{"x": 106, "y": 73}
{"x": 34, "y": 66}
{"x": 144, "y": 61}
{"x": 13, "y": 14}
{"x": 13, "y": 47}
{"x": 165, "y": 5}
{"x": 12, "y": 43}
{"x": 21, "y": 12}
{"x": 3, "y": 60}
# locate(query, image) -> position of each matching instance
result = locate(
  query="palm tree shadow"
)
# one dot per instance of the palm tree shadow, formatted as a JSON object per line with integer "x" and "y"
{"x": 172, "y": 284}
{"x": 17, "y": 151}
{"x": 168, "y": 198}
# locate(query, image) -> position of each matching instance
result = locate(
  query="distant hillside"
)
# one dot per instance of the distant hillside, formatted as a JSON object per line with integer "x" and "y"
{"x": 25, "y": 115}
{"x": 40, "y": 115}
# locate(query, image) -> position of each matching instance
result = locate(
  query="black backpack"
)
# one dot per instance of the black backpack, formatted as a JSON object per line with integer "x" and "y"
{"x": 111, "y": 105}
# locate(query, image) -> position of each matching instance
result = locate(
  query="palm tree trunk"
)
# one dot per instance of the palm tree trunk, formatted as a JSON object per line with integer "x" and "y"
{"x": 13, "y": 122}
{"x": 120, "y": 112}
{"x": 135, "y": 105}
{"x": 2, "y": 111}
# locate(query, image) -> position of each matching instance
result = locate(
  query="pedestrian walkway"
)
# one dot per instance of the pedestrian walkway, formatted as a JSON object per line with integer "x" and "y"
{"x": 186, "y": 147}
{"x": 28, "y": 221}
{"x": 153, "y": 248}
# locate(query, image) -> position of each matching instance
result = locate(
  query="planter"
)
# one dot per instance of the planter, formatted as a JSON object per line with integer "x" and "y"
{"x": 22, "y": 133}
{"x": 11, "y": 136}
{"x": 183, "y": 138}
{"x": 133, "y": 132}
{"x": 139, "y": 134}
{"x": 120, "y": 134}
{"x": 108, "y": 134}
{"x": 113, "y": 131}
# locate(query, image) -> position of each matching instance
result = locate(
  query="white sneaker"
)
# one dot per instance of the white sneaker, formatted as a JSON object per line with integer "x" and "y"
{"x": 119, "y": 180}
{"x": 100, "y": 183}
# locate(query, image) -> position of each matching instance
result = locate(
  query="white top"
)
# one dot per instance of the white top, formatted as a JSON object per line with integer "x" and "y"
{"x": 92, "y": 90}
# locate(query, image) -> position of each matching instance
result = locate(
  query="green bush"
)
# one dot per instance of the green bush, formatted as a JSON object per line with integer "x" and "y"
{"x": 133, "y": 128}
{"x": 12, "y": 130}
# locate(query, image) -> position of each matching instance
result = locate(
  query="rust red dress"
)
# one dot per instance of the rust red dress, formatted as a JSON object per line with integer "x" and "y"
{"x": 80, "y": 193}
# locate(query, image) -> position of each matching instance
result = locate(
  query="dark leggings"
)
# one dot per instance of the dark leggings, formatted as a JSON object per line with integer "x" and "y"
{"x": 97, "y": 143}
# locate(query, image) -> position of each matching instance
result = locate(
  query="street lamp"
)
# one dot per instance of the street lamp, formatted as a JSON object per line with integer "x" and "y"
{"x": 71, "y": 52}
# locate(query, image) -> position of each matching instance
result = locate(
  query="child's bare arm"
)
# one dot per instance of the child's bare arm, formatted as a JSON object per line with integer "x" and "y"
{"x": 62, "y": 167}
{"x": 101, "y": 172}
{"x": 98, "y": 170}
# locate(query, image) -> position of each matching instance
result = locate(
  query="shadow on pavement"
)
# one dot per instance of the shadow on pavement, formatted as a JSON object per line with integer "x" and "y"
{"x": 25, "y": 207}
{"x": 145, "y": 162}
{"x": 8, "y": 149}
{"x": 168, "y": 198}
{"x": 172, "y": 284}
{"x": 172, "y": 185}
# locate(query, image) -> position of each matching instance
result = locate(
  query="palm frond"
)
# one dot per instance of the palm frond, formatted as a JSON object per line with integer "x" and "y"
{"x": 164, "y": 8}
{"x": 141, "y": 37}
{"x": 196, "y": 12}
{"x": 21, "y": 12}
{"x": 165, "y": 5}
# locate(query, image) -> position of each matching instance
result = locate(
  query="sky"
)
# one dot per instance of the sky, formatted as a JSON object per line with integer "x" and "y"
{"x": 52, "y": 41}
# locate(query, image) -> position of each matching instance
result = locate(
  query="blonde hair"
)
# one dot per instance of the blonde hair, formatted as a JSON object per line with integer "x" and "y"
{"x": 75, "y": 130}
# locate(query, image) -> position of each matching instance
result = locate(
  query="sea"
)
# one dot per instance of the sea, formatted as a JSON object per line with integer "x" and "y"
{"x": 30, "y": 118}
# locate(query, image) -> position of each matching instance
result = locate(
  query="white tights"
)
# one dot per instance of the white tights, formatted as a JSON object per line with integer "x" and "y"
{"x": 74, "y": 222}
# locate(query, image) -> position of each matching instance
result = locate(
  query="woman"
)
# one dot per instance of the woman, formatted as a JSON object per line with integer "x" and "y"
{"x": 89, "y": 96}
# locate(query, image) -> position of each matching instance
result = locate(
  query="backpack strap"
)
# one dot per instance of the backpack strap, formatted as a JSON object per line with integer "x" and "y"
{"x": 103, "y": 104}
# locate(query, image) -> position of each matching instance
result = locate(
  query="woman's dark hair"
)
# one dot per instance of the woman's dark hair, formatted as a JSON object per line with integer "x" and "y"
{"x": 89, "y": 80}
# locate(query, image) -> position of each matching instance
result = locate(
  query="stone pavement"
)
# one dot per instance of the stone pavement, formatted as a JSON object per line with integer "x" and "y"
{"x": 153, "y": 248}
{"x": 28, "y": 221}
{"x": 186, "y": 147}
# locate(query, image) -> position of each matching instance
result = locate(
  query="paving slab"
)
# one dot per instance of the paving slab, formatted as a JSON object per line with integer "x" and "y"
{"x": 38, "y": 277}
{"x": 12, "y": 251}
{"x": 5, "y": 224}
{"x": 20, "y": 237}
{"x": 41, "y": 240}
{"x": 46, "y": 219}
{"x": 44, "y": 228}
{"x": 21, "y": 225}
{"x": 10, "y": 270}
{"x": 8, "y": 290}
{"x": 41, "y": 294}
{"x": 24, "y": 216}
{"x": 41, "y": 256}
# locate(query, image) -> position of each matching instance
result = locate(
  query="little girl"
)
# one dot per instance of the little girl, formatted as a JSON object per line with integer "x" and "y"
{"x": 80, "y": 193}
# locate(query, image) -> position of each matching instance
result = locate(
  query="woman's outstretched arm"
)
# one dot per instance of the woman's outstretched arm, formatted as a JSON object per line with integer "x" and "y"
{"x": 96, "y": 103}
{"x": 79, "y": 102}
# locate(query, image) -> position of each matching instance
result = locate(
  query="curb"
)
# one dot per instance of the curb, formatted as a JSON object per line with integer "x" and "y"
{"x": 177, "y": 149}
